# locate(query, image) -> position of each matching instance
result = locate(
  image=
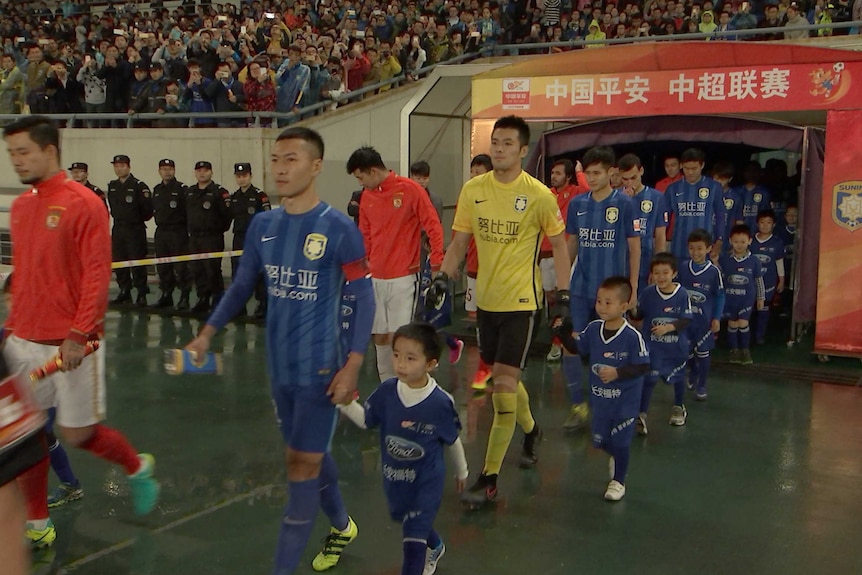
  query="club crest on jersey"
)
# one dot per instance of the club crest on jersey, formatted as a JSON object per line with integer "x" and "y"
{"x": 703, "y": 193}
{"x": 173, "y": 204}
{"x": 612, "y": 215}
{"x": 315, "y": 246}
{"x": 53, "y": 219}
{"x": 847, "y": 204}
{"x": 396, "y": 201}
{"x": 728, "y": 203}
{"x": 521, "y": 204}
{"x": 757, "y": 198}
{"x": 646, "y": 206}
{"x": 207, "y": 205}
{"x": 129, "y": 199}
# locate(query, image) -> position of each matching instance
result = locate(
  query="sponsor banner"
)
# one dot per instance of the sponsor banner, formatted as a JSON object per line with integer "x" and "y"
{"x": 672, "y": 92}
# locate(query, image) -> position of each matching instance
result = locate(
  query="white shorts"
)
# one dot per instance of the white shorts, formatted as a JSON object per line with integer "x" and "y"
{"x": 470, "y": 295}
{"x": 78, "y": 395}
{"x": 396, "y": 303}
{"x": 549, "y": 275}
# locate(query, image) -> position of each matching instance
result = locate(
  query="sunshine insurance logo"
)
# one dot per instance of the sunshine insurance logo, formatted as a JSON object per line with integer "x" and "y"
{"x": 516, "y": 94}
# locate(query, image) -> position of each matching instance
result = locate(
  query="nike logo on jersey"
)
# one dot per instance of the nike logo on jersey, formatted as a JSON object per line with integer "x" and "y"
{"x": 581, "y": 213}
{"x": 480, "y": 201}
{"x": 267, "y": 238}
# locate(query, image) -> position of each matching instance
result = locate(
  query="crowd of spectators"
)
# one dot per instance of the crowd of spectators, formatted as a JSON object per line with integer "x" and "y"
{"x": 64, "y": 57}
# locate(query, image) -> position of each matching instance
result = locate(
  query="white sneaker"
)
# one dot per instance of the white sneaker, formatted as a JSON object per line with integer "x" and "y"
{"x": 678, "y": 415}
{"x": 615, "y": 491}
{"x": 555, "y": 353}
{"x": 432, "y": 557}
{"x": 640, "y": 424}
{"x": 612, "y": 467}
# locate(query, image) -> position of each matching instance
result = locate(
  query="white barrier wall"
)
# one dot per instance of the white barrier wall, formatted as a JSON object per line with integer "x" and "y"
{"x": 376, "y": 123}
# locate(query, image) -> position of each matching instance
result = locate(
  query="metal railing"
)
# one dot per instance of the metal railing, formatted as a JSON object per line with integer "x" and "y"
{"x": 257, "y": 119}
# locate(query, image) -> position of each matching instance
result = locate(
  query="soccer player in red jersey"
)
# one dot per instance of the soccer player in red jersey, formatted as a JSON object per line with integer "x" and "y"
{"x": 62, "y": 260}
{"x": 393, "y": 212}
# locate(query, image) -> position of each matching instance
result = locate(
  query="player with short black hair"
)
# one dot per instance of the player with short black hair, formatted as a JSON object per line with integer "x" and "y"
{"x": 619, "y": 360}
{"x": 693, "y": 202}
{"x": 745, "y": 289}
{"x": 506, "y": 211}
{"x": 604, "y": 240}
{"x": 307, "y": 252}
{"x": 63, "y": 256}
{"x": 665, "y": 311}
{"x": 705, "y": 286}
{"x": 414, "y": 486}
{"x": 769, "y": 249}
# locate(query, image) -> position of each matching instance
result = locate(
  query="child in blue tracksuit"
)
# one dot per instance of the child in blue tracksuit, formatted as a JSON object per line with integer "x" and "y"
{"x": 666, "y": 313}
{"x": 768, "y": 248}
{"x": 619, "y": 360}
{"x": 743, "y": 276}
{"x": 416, "y": 419}
{"x": 703, "y": 282}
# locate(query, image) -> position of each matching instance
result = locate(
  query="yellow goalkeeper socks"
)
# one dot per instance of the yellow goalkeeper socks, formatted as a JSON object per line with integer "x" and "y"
{"x": 523, "y": 413}
{"x": 505, "y": 406}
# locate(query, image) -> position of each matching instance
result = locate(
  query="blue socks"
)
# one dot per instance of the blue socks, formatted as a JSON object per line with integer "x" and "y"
{"x": 702, "y": 361}
{"x": 434, "y": 540}
{"x": 733, "y": 337}
{"x": 60, "y": 463}
{"x": 414, "y": 557}
{"x": 744, "y": 337}
{"x": 296, "y": 525}
{"x": 646, "y": 395}
{"x": 330, "y": 495}
{"x": 762, "y": 324}
{"x": 621, "y": 462}
{"x": 573, "y": 371}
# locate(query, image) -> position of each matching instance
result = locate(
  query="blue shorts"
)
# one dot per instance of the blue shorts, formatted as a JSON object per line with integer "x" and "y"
{"x": 306, "y": 417}
{"x": 415, "y": 507}
{"x": 583, "y": 311}
{"x": 702, "y": 339}
{"x": 738, "y": 309}
{"x": 610, "y": 433}
{"x": 671, "y": 370}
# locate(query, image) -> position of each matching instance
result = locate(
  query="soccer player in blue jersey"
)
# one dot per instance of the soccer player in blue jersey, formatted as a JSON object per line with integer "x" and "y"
{"x": 723, "y": 172}
{"x": 306, "y": 251}
{"x": 416, "y": 419}
{"x": 703, "y": 282}
{"x": 619, "y": 360}
{"x": 755, "y": 198}
{"x": 787, "y": 233}
{"x": 665, "y": 311}
{"x": 744, "y": 287}
{"x": 650, "y": 212}
{"x": 604, "y": 242}
{"x": 768, "y": 248}
{"x": 695, "y": 202}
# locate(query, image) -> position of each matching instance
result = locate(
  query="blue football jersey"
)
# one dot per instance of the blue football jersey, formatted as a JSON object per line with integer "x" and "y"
{"x": 305, "y": 260}
{"x": 743, "y": 279}
{"x": 659, "y": 308}
{"x": 412, "y": 438}
{"x": 753, "y": 202}
{"x": 602, "y": 229}
{"x": 618, "y": 399}
{"x": 695, "y": 206}
{"x": 703, "y": 284}
{"x": 768, "y": 252}
{"x": 651, "y": 214}
{"x": 733, "y": 208}
{"x": 787, "y": 233}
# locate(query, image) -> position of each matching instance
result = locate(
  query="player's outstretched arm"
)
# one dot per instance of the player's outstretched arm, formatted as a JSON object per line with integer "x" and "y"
{"x": 455, "y": 254}
{"x": 459, "y": 459}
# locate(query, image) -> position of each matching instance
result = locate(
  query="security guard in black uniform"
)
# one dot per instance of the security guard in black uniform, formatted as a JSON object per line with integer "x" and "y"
{"x": 172, "y": 236}
{"x": 208, "y": 212}
{"x": 131, "y": 206}
{"x": 245, "y": 203}
{"x": 79, "y": 171}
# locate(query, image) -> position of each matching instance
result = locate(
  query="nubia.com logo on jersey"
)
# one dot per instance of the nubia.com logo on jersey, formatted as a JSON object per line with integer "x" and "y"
{"x": 498, "y": 231}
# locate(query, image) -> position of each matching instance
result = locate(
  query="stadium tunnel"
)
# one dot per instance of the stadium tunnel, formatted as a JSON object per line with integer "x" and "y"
{"x": 799, "y": 90}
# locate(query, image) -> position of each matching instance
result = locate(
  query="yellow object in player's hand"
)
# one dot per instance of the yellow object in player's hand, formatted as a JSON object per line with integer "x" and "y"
{"x": 179, "y": 361}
